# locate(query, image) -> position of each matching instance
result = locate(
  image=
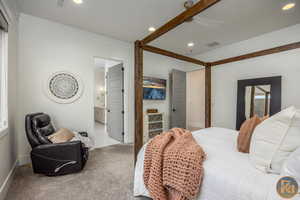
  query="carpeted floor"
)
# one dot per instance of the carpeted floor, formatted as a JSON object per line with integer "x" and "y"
{"x": 108, "y": 175}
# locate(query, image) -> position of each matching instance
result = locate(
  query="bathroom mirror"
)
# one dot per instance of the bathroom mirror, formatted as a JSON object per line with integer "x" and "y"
{"x": 261, "y": 97}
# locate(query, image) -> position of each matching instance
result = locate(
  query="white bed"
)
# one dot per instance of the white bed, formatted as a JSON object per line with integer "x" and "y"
{"x": 228, "y": 174}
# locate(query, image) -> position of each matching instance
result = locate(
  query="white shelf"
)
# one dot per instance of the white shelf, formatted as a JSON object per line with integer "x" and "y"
{"x": 154, "y": 122}
{"x": 148, "y": 123}
{"x": 154, "y": 130}
{"x": 154, "y": 113}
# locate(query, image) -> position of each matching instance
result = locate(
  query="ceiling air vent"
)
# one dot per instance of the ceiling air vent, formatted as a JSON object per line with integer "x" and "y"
{"x": 213, "y": 44}
{"x": 60, "y": 3}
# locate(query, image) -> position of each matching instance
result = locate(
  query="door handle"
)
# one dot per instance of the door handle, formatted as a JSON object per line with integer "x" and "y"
{"x": 108, "y": 110}
{"x": 174, "y": 110}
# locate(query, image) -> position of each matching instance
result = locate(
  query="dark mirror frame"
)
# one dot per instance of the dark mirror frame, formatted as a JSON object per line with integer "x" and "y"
{"x": 275, "y": 102}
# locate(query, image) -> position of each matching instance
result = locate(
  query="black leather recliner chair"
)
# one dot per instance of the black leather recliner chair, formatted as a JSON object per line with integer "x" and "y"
{"x": 48, "y": 158}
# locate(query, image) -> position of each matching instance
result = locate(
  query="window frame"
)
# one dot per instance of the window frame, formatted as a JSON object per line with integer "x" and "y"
{"x": 4, "y": 83}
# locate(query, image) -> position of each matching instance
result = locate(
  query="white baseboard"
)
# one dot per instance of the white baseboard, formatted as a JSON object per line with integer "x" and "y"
{"x": 23, "y": 160}
{"x": 5, "y": 186}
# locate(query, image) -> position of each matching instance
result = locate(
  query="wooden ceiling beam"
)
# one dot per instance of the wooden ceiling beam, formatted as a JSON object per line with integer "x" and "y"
{"x": 287, "y": 47}
{"x": 173, "y": 55}
{"x": 179, "y": 19}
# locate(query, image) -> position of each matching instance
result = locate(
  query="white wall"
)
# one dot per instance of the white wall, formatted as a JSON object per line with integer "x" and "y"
{"x": 160, "y": 67}
{"x": 46, "y": 47}
{"x": 8, "y": 146}
{"x": 195, "y": 96}
{"x": 224, "y": 77}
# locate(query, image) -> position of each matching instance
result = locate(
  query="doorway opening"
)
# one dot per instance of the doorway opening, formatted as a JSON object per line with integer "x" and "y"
{"x": 173, "y": 98}
{"x": 187, "y": 107}
{"x": 195, "y": 95}
{"x": 108, "y": 102}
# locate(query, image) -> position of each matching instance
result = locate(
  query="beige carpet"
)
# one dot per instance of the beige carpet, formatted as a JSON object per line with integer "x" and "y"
{"x": 108, "y": 175}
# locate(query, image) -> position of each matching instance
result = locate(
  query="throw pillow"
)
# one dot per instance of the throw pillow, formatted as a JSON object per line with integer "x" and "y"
{"x": 245, "y": 134}
{"x": 62, "y": 135}
{"x": 274, "y": 139}
{"x": 264, "y": 118}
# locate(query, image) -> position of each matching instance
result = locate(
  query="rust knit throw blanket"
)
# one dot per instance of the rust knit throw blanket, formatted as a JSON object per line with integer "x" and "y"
{"x": 173, "y": 166}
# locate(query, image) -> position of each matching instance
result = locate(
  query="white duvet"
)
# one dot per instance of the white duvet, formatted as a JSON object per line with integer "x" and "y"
{"x": 228, "y": 174}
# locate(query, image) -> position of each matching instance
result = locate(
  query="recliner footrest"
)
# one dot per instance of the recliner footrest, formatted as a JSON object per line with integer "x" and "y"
{"x": 53, "y": 167}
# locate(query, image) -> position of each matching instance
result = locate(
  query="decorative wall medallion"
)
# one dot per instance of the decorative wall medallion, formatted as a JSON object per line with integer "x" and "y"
{"x": 64, "y": 87}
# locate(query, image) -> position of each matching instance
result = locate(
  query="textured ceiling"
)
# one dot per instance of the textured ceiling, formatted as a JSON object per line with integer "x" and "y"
{"x": 226, "y": 22}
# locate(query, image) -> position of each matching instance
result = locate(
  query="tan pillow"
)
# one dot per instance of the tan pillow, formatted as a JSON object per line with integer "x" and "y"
{"x": 244, "y": 138}
{"x": 264, "y": 118}
{"x": 62, "y": 135}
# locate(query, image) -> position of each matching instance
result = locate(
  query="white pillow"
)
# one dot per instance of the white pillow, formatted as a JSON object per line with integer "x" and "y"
{"x": 291, "y": 166}
{"x": 274, "y": 139}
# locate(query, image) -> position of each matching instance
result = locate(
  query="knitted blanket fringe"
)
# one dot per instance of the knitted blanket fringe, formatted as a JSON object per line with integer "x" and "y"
{"x": 173, "y": 166}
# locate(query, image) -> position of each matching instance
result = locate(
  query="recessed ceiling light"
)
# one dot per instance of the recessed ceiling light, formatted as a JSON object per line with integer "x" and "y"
{"x": 288, "y": 6}
{"x": 78, "y": 1}
{"x": 151, "y": 29}
{"x": 191, "y": 44}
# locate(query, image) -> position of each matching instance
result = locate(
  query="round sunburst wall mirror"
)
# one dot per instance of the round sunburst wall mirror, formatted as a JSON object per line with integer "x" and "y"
{"x": 64, "y": 87}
